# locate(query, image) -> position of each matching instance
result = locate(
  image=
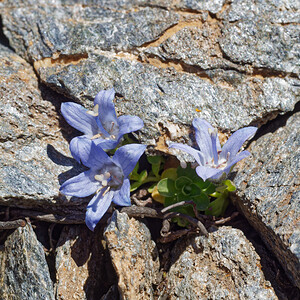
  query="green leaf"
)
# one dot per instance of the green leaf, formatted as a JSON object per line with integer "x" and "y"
{"x": 155, "y": 162}
{"x": 166, "y": 187}
{"x": 201, "y": 201}
{"x": 135, "y": 186}
{"x": 151, "y": 188}
{"x": 142, "y": 177}
{"x": 134, "y": 174}
{"x": 218, "y": 206}
{"x": 187, "y": 172}
{"x": 210, "y": 188}
{"x": 231, "y": 186}
{"x": 169, "y": 173}
{"x": 182, "y": 181}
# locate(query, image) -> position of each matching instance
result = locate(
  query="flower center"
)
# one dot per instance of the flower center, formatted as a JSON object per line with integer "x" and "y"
{"x": 109, "y": 177}
{"x": 222, "y": 163}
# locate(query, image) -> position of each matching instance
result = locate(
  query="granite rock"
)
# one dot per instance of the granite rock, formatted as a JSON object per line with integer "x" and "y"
{"x": 134, "y": 256}
{"x": 83, "y": 269}
{"x": 24, "y": 270}
{"x": 268, "y": 193}
{"x": 222, "y": 266}
{"x": 35, "y": 157}
{"x": 168, "y": 61}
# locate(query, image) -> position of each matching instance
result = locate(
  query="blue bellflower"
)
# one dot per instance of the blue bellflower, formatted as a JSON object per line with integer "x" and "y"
{"x": 107, "y": 178}
{"x": 100, "y": 125}
{"x": 213, "y": 160}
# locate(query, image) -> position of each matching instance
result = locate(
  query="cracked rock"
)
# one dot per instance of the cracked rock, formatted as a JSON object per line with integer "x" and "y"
{"x": 222, "y": 266}
{"x": 34, "y": 153}
{"x": 80, "y": 49}
{"x": 24, "y": 270}
{"x": 82, "y": 268}
{"x": 268, "y": 193}
{"x": 134, "y": 256}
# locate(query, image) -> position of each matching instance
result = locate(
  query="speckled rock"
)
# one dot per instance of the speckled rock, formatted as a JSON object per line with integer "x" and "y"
{"x": 134, "y": 256}
{"x": 34, "y": 155}
{"x": 268, "y": 193}
{"x": 24, "y": 271}
{"x": 82, "y": 268}
{"x": 222, "y": 266}
{"x": 168, "y": 61}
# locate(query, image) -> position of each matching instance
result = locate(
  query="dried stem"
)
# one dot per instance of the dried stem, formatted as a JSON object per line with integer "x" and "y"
{"x": 12, "y": 224}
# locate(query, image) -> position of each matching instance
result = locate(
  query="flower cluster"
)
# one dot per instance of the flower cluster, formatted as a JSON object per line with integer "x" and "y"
{"x": 213, "y": 161}
{"x": 108, "y": 177}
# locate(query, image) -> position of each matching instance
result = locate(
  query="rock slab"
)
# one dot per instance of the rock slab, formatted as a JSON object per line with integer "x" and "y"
{"x": 134, "y": 256}
{"x": 222, "y": 266}
{"x": 24, "y": 271}
{"x": 268, "y": 193}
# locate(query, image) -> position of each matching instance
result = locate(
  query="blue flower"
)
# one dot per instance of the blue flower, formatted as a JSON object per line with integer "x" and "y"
{"x": 100, "y": 125}
{"x": 213, "y": 160}
{"x": 107, "y": 178}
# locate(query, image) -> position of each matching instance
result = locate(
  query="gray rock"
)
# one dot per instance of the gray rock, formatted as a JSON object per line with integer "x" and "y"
{"x": 34, "y": 155}
{"x": 167, "y": 100}
{"x": 24, "y": 271}
{"x": 268, "y": 193}
{"x": 37, "y": 31}
{"x": 82, "y": 270}
{"x": 134, "y": 256}
{"x": 222, "y": 266}
{"x": 263, "y": 45}
{"x": 166, "y": 60}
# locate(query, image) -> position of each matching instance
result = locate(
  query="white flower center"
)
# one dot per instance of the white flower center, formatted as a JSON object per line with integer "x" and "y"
{"x": 110, "y": 176}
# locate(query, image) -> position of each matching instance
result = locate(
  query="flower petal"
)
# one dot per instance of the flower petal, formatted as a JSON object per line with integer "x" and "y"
{"x": 77, "y": 116}
{"x": 106, "y": 110}
{"x": 203, "y": 138}
{"x": 97, "y": 208}
{"x": 82, "y": 185}
{"x": 122, "y": 197}
{"x": 129, "y": 124}
{"x": 195, "y": 153}
{"x": 106, "y": 144}
{"x": 127, "y": 156}
{"x": 80, "y": 148}
{"x": 206, "y": 172}
{"x": 236, "y": 141}
{"x": 97, "y": 157}
{"x": 237, "y": 158}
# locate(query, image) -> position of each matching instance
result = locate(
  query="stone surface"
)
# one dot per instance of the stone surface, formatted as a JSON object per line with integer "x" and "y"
{"x": 168, "y": 61}
{"x": 24, "y": 271}
{"x": 83, "y": 269}
{"x": 134, "y": 256}
{"x": 268, "y": 193}
{"x": 222, "y": 266}
{"x": 34, "y": 155}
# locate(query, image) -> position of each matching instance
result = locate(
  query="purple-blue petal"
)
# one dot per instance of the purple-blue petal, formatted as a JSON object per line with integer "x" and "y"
{"x": 203, "y": 138}
{"x": 235, "y": 159}
{"x": 106, "y": 110}
{"x": 129, "y": 124}
{"x": 106, "y": 144}
{"x": 80, "y": 148}
{"x": 127, "y": 157}
{"x": 82, "y": 185}
{"x": 122, "y": 196}
{"x": 77, "y": 116}
{"x": 97, "y": 208}
{"x": 206, "y": 172}
{"x": 236, "y": 141}
{"x": 97, "y": 157}
{"x": 193, "y": 152}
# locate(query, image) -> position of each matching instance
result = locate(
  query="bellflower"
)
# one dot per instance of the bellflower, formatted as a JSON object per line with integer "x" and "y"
{"x": 213, "y": 160}
{"x": 107, "y": 178}
{"x": 100, "y": 125}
